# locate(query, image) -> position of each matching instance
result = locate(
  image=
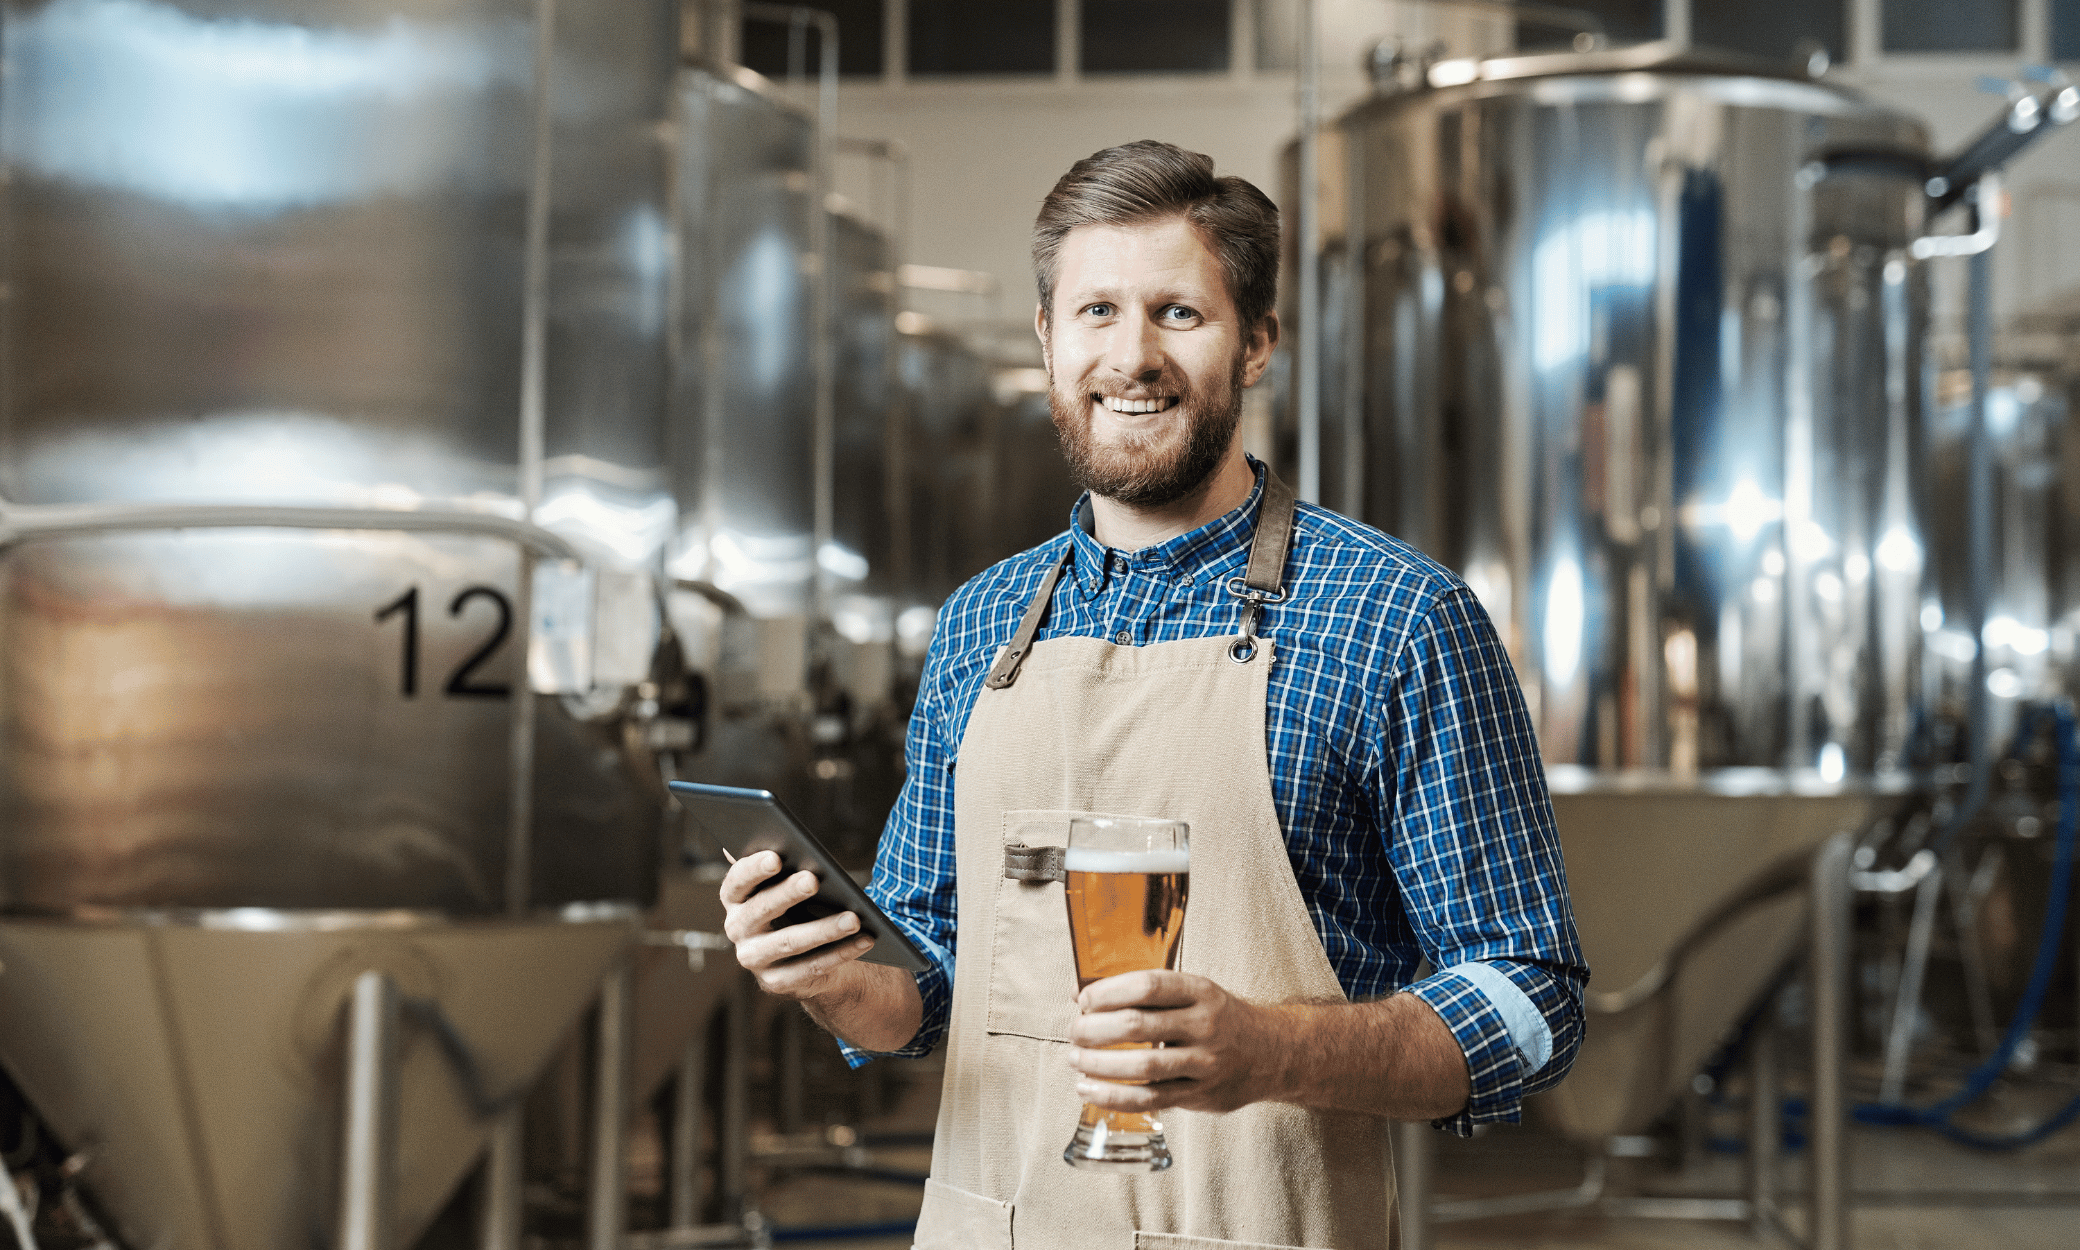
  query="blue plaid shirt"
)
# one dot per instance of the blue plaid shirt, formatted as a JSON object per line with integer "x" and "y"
{"x": 1402, "y": 763}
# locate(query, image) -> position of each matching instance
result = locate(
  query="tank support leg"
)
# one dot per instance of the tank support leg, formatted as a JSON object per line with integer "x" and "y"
{"x": 735, "y": 1143}
{"x": 368, "y": 1171}
{"x": 1414, "y": 1155}
{"x": 1764, "y": 1130}
{"x": 686, "y": 1131}
{"x": 606, "y": 1213}
{"x": 502, "y": 1210}
{"x": 1829, "y": 1133}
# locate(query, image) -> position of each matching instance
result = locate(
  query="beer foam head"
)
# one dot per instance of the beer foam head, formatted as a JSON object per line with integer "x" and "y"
{"x": 1090, "y": 859}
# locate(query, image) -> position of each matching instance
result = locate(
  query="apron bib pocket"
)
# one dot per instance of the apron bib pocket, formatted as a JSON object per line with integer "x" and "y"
{"x": 1032, "y": 974}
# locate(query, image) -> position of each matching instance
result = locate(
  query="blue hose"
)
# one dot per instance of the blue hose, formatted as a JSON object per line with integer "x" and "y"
{"x": 1938, "y": 1115}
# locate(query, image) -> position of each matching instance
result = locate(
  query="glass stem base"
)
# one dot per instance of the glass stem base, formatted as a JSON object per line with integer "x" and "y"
{"x": 1123, "y": 1141}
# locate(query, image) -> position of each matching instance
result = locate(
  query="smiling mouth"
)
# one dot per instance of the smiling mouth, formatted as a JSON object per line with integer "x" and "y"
{"x": 1160, "y": 403}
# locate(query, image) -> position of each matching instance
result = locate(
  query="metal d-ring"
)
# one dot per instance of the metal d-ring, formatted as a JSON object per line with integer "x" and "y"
{"x": 1243, "y": 649}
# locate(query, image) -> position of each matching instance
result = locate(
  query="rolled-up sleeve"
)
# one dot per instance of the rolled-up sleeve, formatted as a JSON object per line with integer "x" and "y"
{"x": 1470, "y": 835}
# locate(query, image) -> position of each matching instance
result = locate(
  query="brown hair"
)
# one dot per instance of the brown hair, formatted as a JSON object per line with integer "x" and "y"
{"x": 1137, "y": 181}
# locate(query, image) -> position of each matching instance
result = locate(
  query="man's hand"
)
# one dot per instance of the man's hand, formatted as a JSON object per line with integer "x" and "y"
{"x": 775, "y": 956}
{"x": 1391, "y": 1058}
{"x": 871, "y": 1006}
{"x": 1219, "y": 1052}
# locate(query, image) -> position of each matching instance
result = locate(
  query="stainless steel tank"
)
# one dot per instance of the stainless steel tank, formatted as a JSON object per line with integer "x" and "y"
{"x": 868, "y": 560}
{"x": 1637, "y": 339}
{"x": 951, "y": 428}
{"x": 743, "y": 398}
{"x": 330, "y": 430}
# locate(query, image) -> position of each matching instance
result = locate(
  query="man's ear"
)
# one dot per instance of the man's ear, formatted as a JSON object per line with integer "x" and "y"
{"x": 1040, "y": 328}
{"x": 1263, "y": 338}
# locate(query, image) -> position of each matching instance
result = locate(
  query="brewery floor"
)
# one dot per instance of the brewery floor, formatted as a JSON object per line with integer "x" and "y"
{"x": 1914, "y": 1189}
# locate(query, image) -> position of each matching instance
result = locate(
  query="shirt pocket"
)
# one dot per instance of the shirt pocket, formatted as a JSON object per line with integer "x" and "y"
{"x": 1032, "y": 975}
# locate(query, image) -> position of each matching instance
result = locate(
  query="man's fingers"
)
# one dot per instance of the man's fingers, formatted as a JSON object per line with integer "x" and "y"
{"x": 1116, "y": 1097}
{"x": 805, "y": 973}
{"x": 762, "y": 950}
{"x": 1113, "y": 1028}
{"x": 757, "y": 913}
{"x": 1139, "y": 1064}
{"x": 1156, "y": 988}
{"x": 743, "y": 878}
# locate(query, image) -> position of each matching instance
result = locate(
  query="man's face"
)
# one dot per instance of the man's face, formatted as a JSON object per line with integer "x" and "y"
{"x": 1147, "y": 359}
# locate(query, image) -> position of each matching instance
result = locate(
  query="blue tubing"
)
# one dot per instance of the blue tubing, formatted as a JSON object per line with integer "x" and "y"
{"x": 1937, "y": 1116}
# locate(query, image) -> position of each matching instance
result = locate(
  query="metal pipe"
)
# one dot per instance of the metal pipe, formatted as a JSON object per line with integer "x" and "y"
{"x": 534, "y": 329}
{"x": 606, "y": 1210}
{"x": 1906, "y": 1004}
{"x": 793, "y": 1110}
{"x": 2028, "y": 118}
{"x": 1764, "y": 1132}
{"x": 1828, "y": 1224}
{"x": 368, "y": 1158}
{"x": 1307, "y": 363}
{"x": 823, "y": 361}
{"x": 735, "y": 1143}
{"x": 685, "y": 1180}
{"x": 520, "y": 730}
{"x": 24, "y": 523}
{"x": 501, "y": 1207}
{"x": 897, "y": 157}
{"x": 1415, "y": 1157}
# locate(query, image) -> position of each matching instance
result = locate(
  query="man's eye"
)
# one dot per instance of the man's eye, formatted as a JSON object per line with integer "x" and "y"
{"x": 1178, "y": 312}
{"x": 1099, "y": 310}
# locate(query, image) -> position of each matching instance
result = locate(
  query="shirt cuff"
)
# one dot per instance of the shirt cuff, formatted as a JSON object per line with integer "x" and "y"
{"x": 936, "y": 989}
{"x": 1493, "y": 1065}
{"x": 1527, "y": 1024}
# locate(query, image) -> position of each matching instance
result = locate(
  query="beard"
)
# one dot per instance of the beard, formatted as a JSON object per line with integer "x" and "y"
{"x": 1151, "y": 470}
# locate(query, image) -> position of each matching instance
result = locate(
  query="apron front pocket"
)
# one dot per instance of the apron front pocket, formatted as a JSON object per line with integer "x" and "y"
{"x": 954, "y": 1219}
{"x": 1032, "y": 973}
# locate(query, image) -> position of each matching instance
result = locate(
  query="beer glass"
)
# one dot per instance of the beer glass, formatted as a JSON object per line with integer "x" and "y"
{"x": 1127, "y": 877}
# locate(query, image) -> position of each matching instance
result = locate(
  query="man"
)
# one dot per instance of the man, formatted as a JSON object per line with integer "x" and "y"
{"x": 1329, "y": 710}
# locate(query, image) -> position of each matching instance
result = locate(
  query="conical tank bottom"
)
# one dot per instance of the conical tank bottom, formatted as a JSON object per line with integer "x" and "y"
{"x": 197, "y": 1062}
{"x": 1651, "y": 858}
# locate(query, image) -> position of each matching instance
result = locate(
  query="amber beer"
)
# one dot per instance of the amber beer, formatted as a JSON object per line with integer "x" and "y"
{"x": 1126, "y": 881}
{"x": 1126, "y": 909}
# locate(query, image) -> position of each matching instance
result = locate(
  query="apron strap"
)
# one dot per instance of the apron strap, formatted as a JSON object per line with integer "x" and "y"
{"x": 1262, "y": 583}
{"x": 1005, "y": 670}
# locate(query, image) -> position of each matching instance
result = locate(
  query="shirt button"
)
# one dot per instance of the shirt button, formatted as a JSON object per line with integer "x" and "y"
{"x": 1188, "y": 579}
{"x": 1123, "y": 638}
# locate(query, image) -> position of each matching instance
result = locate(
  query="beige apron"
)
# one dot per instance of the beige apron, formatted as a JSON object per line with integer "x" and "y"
{"x": 1177, "y": 730}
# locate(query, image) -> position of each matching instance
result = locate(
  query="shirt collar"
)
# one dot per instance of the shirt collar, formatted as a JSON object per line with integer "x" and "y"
{"x": 1201, "y": 553}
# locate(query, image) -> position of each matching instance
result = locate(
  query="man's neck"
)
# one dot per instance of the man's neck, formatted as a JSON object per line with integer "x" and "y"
{"x": 1128, "y": 528}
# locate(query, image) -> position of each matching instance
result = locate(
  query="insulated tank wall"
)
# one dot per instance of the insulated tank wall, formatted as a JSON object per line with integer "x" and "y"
{"x": 1641, "y": 340}
{"x": 318, "y": 256}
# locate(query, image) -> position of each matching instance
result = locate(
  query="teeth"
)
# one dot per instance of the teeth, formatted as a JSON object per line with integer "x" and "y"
{"x": 1138, "y": 405}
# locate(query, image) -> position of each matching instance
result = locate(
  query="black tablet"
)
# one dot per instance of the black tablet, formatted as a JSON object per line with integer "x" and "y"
{"x": 745, "y": 822}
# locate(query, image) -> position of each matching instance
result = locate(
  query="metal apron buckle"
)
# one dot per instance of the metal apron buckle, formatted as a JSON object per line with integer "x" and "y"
{"x": 1244, "y": 648}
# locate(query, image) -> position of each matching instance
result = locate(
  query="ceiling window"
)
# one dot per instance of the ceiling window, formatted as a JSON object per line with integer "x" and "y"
{"x": 966, "y": 37}
{"x": 764, "y": 45}
{"x": 1154, "y": 36}
{"x": 1951, "y": 25}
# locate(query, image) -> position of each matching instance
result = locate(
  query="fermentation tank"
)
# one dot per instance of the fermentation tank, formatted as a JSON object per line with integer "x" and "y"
{"x": 1638, "y": 344}
{"x": 950, "y": 427}
{"x": 331, "y": 364}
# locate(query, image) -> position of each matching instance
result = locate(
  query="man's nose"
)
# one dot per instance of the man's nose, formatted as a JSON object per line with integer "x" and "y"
{"x": 1135, "y": 349}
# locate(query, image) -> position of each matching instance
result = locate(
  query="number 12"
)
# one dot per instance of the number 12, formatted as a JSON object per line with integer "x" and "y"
{"x": 461, "y": 683}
